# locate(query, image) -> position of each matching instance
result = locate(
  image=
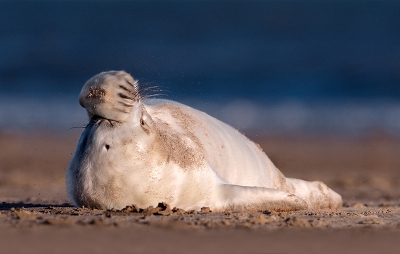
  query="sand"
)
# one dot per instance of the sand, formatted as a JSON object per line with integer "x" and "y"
{"x": 36, "y": 216}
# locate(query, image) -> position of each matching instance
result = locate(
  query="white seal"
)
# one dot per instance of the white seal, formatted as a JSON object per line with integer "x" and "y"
{"x": 145, "y": 151}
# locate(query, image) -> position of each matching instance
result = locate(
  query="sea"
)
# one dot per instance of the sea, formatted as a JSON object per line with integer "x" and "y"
{"x": 302, "y": 67}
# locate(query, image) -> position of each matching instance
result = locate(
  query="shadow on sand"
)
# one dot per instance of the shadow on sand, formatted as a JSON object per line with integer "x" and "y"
{"x": 7, "y": 206}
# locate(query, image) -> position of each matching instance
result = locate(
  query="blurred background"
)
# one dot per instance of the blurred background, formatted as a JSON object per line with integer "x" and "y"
{"x": 297, "y": 67}
{"x": 315, "y": 83}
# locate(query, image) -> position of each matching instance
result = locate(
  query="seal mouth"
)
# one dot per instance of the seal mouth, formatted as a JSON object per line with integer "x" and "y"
{"x": 96, "y": 119}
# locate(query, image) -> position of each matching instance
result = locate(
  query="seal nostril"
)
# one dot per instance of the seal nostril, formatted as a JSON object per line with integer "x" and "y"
{"x": 107, "y": 147}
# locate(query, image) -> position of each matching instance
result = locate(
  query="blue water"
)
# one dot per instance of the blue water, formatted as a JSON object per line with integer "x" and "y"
{"x": 275, "y": 66}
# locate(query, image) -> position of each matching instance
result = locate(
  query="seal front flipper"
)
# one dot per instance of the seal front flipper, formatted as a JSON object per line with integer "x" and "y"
{"x": 245, "y": 198}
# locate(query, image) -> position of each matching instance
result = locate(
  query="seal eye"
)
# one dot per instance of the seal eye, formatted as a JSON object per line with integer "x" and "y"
{"x": 107, "y": 147}
{"x": 144, "y": 126}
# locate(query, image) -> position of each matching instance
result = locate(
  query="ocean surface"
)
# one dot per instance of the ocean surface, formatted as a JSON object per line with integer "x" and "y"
{"x": 300, "y": 67}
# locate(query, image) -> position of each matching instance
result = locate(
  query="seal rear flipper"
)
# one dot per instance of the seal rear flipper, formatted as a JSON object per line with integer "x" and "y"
{"x": 245, "y": 198}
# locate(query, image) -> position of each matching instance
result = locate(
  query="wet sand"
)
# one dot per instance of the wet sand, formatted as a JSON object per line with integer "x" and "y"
{"x": 36, "y": 216}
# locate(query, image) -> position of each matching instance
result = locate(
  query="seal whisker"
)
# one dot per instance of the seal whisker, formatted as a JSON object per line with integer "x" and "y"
{"x": 78, "y": 127}
{"x": 151, "y": 95}
{"x": 152, "y": 88}
{"x": 146, "y": 91}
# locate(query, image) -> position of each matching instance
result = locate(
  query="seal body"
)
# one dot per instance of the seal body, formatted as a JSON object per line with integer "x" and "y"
{"x": 153, "y": 150}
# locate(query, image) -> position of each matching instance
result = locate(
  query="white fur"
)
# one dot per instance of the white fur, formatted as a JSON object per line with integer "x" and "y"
{"x": 160, "y": 150}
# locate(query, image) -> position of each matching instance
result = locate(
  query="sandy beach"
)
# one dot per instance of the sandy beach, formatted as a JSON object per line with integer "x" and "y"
{"x": 36, "y": 216}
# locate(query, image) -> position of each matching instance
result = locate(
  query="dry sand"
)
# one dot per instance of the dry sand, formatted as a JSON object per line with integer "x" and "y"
{"x": 36, "y": 216}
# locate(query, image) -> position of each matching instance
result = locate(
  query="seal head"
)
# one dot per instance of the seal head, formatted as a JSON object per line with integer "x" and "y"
{"x": 110, "y": 95}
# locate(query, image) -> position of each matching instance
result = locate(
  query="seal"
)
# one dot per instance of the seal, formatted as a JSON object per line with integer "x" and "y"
{"x": 139, "y": 150}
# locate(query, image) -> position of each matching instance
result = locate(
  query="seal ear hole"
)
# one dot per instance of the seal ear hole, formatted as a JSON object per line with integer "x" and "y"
{"x": 107, "y": 146}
